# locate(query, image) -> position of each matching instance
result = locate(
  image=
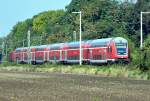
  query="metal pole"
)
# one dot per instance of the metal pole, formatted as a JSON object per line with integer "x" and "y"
{"x": 42, "y": 36}
{"x": 80, "y": 37}
{"x": 75, "y": 35}
{"x": 80, "y": 41}
{"x": 41, "y": 40}
{"x": 141, "y": 45}
{"x": 3, "y": 44}
{"x": 23, "y": 43}
{"x": 29, "y": 56}
{"x": 6, "y": 52}
{"x": 3, "y": 50}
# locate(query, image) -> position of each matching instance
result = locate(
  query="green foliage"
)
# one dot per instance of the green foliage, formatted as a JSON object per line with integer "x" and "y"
{"x": 46, "y": 21}
{"x": 145, "y": 54}
{"x": 100, "y": 19}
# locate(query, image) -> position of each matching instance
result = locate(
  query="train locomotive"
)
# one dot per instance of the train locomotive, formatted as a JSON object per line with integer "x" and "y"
{"x": 98, "y": 51}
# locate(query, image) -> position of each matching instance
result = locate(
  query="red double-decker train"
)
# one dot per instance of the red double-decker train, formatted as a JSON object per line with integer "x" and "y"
{"x": 106, "y": 50}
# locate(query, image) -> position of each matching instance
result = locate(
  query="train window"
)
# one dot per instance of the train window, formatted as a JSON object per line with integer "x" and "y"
{"x": 40, "y": 49}
{"x": 99, "y": 50}
{"x": 24, "y": 50}
{"x": 109, "y": 49}
{"x": 104, "y": 56}
{"x": 54, "y": 58}
{"x": 100, "y": 57}
{"x": 18, "y": 50}
{"x": 73, "y": 57}
{"x": 55, "y": 48}
{"x": 39, "y": 58}
{"x": 73, "y": 47}
{"x": 97, "y": 57}
{"x": 121, "y": 48}
{"x": 25, "y": 58}
{"x": 121, "y": 44}
{"x": 99, "y": 44}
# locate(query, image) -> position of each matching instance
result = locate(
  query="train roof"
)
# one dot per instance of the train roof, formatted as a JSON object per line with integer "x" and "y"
{"x": 96, "y": 42}
{"x": 104, "y": 40}
{"x": 21, "y": 48}
{"x": 56, "y": 46}
{"x": 120, "y": 39}
{"x": 74, "y": 44}
{"x": 33, "y": 46}
{"x": 41, "y": 46}
{"x": 99, "y": 42}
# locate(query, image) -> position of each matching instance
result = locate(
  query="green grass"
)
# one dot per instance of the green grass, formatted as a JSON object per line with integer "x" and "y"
{"x": 127, "y": 71}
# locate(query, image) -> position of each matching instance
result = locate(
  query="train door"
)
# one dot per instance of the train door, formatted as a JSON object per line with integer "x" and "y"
{"x": 46, "y": 54}
{"x": 52, "y": 56}
{"x": 104, "y": 54}
{"x": 64, "y": 55}
{"x": 90, "y": 54}
{"x": 26, "y": 56}
{"x": 58, "y": 55}
{"x": 86, "y": 55}
{"x": 39, "y": 55}
{"x": 109, "y": 52}
{"x": 17, "y": 56}
{"x": 33, "y": 55}
{"x": 61, "y": 55}
{"x": 98, "y": 55}
{"x": 21, "y": 56}
{"x": 49, "y": 55}
{"x": 55, "y": 56}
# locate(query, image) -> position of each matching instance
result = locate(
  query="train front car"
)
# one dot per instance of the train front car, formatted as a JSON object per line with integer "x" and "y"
{"x": 108, "y": 50}
{"x": 122, "y": 50}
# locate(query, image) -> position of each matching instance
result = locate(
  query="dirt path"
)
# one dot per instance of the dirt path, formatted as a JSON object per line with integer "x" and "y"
{"x": 16, "y": 86}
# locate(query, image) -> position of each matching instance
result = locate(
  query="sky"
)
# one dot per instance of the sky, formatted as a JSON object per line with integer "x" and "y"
{"x": 13, "y": 11}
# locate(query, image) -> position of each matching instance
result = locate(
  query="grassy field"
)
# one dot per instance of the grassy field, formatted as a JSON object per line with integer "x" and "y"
{"x": 127, "y": 71}
{"x": 37, "y": 86}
